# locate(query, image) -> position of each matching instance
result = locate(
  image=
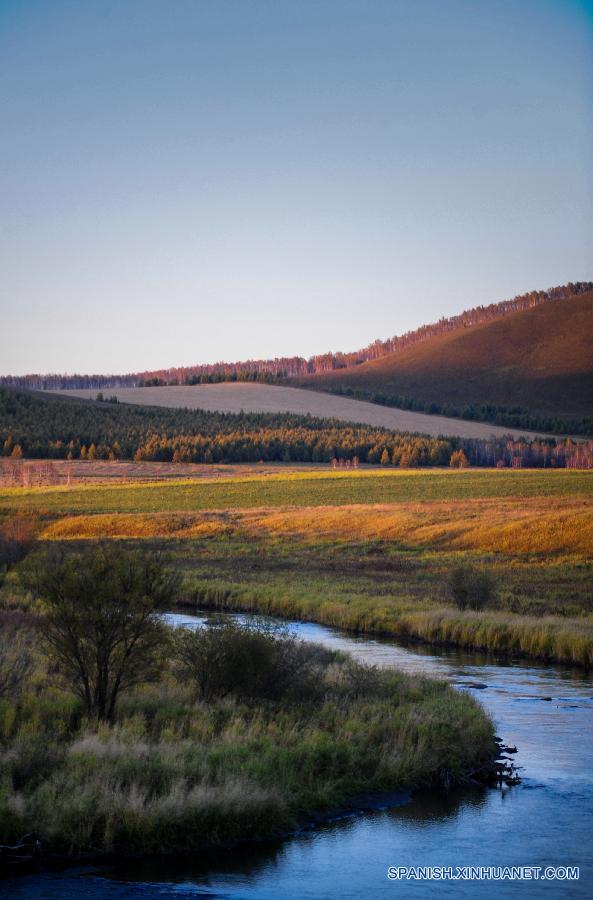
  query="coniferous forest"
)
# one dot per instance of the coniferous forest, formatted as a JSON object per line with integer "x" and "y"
{"x": 39, "y": 427}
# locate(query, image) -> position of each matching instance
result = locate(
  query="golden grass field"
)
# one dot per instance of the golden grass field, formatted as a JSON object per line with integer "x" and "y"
{"x": 494, "y": 525}
{"x": 368, "y": 550}
{"x": 250, "y": 397}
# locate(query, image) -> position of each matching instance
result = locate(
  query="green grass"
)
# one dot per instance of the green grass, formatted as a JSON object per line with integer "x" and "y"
{"x": 173, "y": 774}
{"x": 544, "y": 605}
{"x": 303, "y": 489}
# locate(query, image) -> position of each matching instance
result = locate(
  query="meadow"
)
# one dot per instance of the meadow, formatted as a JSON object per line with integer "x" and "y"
{"x": 366, "y": 550}
{"x": 323, "y": 488}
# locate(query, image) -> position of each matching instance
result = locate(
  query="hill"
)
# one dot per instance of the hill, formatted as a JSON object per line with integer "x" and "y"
{"x": 532, "y": 367}
{"x": 281, "y": 368}
{"x": 234, "y": 397}
{"x": 523, "y": 364}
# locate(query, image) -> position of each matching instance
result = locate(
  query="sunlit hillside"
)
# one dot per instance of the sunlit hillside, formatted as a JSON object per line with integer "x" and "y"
{"x": 537, "y": 359}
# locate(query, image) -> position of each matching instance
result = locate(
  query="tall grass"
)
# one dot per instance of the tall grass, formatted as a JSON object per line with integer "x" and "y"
{"x": 548, "y": 638}
{"x": 176, "y": 774}
{"x": 545, "y": 638}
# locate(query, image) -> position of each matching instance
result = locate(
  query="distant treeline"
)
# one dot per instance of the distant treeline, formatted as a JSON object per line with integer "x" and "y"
{"x": 270, "y": 370}
{"x": 219, "y": 377}
{"x": 56, "y": 428}
{"x": 510, "y": 417}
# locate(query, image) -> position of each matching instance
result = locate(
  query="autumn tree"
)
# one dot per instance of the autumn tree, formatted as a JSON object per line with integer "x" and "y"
{"x": 458, "y": 460}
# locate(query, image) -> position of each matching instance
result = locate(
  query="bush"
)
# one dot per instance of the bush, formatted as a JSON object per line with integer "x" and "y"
{"x": 249, "y": 661}
{"x": 472, "y": 588}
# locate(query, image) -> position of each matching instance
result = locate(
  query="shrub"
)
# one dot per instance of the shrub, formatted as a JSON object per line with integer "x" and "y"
{"x": 254, "y": 661}
{"x": 472, "y": 588}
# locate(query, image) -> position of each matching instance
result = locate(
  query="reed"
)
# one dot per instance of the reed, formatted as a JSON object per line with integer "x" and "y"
{"x": 551, "y": 639}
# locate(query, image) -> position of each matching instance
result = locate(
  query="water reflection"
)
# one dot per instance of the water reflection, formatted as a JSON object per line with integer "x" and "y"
{"x": 430, "y": 808}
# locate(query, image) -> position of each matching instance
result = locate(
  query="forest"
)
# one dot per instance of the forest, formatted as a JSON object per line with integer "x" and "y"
{"x": 270, "y": 370}
{"x": 36, "y": 427}
{"x": 507, "y": 416}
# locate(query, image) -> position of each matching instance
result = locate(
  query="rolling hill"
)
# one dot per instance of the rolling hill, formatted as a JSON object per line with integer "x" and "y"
{"x": 278, "y": 369}
{"x": 524, "y": 365}
{"x": 235, "y": 397}
{"x": 539, "y": 360}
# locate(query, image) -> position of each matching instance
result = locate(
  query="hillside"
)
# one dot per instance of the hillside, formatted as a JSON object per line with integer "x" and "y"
{"x": 279, "y": 369}
{"x": 540, "y": 360}
{"x": 234, "y": 397}
{"x": 524, "y": 365}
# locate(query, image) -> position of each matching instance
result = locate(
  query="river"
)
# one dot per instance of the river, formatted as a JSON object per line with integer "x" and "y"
{"x": 545, "y": 821}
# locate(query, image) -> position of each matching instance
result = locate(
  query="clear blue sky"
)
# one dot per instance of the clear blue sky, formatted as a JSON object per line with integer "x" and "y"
{"x": 196, "y": 180}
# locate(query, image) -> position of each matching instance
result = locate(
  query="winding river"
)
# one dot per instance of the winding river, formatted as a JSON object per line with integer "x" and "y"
{"x": 546, "y": 821}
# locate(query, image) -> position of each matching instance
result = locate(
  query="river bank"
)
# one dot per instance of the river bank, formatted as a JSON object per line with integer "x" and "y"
{"x": 174, "y": 773}
{"x": 544, "y": 639}
{"x": 545, "y": 820}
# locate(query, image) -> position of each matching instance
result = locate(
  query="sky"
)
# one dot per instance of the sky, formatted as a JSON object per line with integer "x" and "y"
{"x": 194, "y": 180}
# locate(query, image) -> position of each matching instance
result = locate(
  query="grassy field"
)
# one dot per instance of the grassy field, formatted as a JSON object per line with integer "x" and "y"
{"x": 368, "y": 550}
{"x": 300, "y": 489}
{"x": 235, "y": 397}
